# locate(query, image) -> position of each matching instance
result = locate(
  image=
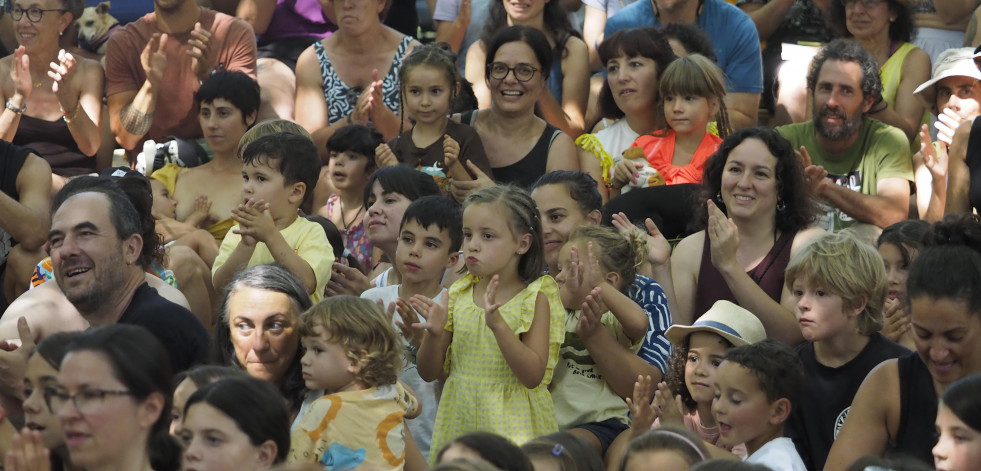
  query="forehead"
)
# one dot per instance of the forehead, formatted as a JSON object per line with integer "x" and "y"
{"x": 552, "y": 196}
{"x": 516, "y": 52}
{"x": 37, "y": 367}
{"x": 752, "y": 153}
{"x": 91, "y": 207}
{"x": 425, "y": 74}
{"x": 259, "y": 304}
{"x": 703, "y": 340}
{"x": 957, "y": 81}
{"x": 219, "y": 103}
{"x": 86, "y": 367}
{"x": 432, "y": 230}
{"x": 736, "y": 376}
{"x": 842, "y": 73}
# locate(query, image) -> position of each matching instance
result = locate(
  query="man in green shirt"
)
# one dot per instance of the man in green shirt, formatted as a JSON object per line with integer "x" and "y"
{"x": 859, "y": 168}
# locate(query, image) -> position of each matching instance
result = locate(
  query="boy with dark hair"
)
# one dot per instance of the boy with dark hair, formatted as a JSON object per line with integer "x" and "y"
{"x": 429, "y": 243}
{"x": 280, "y": 172}
{"x": 756, "y": 387}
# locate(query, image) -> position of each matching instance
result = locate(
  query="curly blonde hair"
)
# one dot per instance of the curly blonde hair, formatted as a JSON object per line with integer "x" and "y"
{"x": 364, "y": 332}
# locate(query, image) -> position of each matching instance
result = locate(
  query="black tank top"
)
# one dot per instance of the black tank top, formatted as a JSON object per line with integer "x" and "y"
{"x": 917, "y": 410}
{"x": 527, "y": 170}
{"x": 973, "y": 160}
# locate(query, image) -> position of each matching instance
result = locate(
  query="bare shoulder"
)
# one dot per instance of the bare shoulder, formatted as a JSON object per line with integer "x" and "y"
{"x": 47, "y": 311}
{"x": 688, "y": 253}
{"x": 804, "y": 236}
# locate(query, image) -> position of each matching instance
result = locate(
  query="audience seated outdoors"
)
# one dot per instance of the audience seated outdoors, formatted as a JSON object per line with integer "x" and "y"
{"x": 154, "y": 298}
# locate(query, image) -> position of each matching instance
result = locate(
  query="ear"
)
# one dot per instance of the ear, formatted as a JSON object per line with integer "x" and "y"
{"x": 297, "y": 191}
{"x": 714, "y": 106}
{"x": 594, "y": 217}
{"x": 102, "y": 8}
{"x": 251, "y": 118}
{"x": 524, "y": 243}
{"x": 150, "y": 410}
{"x": 452, "y": 260}
{"x": 267, "y": 453}
{"x": 354, "y": 367}
{"x": 779, "y": 411}
{"x": 867, "y": 104}
{"x": 857, "y": 308}
{"x": 132, "y": 246}
{"x": 613, "y": 278}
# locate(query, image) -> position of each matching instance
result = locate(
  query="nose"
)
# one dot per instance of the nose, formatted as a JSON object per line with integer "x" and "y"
{"x": 32, "y": 404}
{"x": 305, "y": 359}
{"x": 193, "y": 451}
{"x": 259, "y": 341}
{"x": 939, "y": 351}
{"x": 804, "y": 303}
{"x": 954, "y": 103}
{"x": 678, "y": 105}
{"x": 940, "y": 450}
{"x": 718, "y": 408}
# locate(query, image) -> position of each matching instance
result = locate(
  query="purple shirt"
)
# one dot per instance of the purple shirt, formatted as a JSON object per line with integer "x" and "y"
{"x": 297, "y": 19}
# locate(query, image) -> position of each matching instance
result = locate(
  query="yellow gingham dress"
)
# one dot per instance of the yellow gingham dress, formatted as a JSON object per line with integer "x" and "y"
{"x": 481, "y": 391}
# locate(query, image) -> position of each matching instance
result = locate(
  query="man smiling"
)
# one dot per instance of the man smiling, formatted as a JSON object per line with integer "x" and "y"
{"x": 858, "y": 167}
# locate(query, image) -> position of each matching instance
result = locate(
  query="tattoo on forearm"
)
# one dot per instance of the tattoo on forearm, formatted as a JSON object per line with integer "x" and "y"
{"x": 135, "y": 121}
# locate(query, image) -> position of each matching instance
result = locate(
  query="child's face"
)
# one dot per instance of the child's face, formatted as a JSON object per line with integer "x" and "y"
{"x": 348, "y": 171}
{"x": 427, "y": 94}
{"x": 39, "y": 376}
{"x": 661, "y": 460}
{"x": 705, "y": 353}
{"x": 385, "y": 211}
{"x": 222, "y": 125}
{"x": 182, "y": 393}
{"x": 261, "y": 182}
{"x": 959, "y": 446}
{"x": 163, "y": 205}
{"x": 741, "y": 407}
{"x": 822, "y": 315}
{"x": 488, "y": 244}
{"x": 896, "y": 270}
{"x": 560, "y": 215}
{"x": 423, "y": 253}
{"x": 325, "y": 364}
{"x": 689, "y": 113}
{"x": 213, "y": 441}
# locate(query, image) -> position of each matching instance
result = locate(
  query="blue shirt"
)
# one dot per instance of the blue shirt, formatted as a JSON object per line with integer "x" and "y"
{"x": 649, "y": 295}
{"x": 732, "y": 32}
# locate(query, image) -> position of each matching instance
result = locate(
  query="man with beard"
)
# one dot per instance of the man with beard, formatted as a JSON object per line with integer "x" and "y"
{"x": 859, "y": 168}
{"x": 155, "y": 64}
{"x": 99, "y": 259}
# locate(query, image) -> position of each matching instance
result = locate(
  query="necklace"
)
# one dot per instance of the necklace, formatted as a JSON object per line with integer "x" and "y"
{"x": 355, "y": 218}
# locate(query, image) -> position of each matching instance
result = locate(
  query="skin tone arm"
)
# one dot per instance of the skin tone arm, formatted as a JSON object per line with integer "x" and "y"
{"x": 453, "y": 31}
{"x": 684, "y": 263}
{"x": 131, "y": 113}
{"x": 562, "y": 155}
{"x": 589, "y": 273}
{"x": 474, "y": 73}
{"x": 432, "y": 351}
{"x": 526, "y": 354}
{"x": 570, "y": 115}
{"x": 743, "y": 109}
{"x": 28, "y": 219}
{"x": 907, "y": 114}
{"x": 257, "y": 13}
{"x": 778, "y": 318}
{"x": 958, "y": 175}
{"x": 767, "y": 17}
{"x": 889, "y": 206}
{"x": 589, "y": 163}
{"x": 592, "y": 34}
{"x": 873, "y": 419}
{"x": 930, "y": 174}
{"x": 952, "y": 12}
{"x": 82, "y": 106}
{"x": 620, "y": 367}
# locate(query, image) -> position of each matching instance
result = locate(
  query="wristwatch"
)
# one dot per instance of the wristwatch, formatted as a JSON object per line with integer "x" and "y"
{"x": 10, "y": 106}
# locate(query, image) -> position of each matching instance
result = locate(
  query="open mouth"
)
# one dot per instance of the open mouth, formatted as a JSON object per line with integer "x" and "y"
{"x": 76, "y": 271}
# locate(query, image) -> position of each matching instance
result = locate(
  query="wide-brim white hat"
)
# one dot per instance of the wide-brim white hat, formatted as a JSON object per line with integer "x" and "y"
{"x": 728, "y": 320}
{"x": 951, "y": 63}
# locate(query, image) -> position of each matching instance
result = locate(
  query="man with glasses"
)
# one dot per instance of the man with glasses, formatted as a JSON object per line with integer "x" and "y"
{"x": 861, "y": 170}
{"x": 155, "y": 64}
{"x": 733, "y": 36}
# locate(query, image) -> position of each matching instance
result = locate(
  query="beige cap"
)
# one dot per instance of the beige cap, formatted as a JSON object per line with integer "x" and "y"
{"x": 951, "y": 63}
{"x": 728, "y": 320}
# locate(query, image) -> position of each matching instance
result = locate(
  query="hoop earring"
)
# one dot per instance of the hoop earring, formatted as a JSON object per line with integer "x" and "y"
{"x": 718, "y": 197}
{"x": 781, "y": 206}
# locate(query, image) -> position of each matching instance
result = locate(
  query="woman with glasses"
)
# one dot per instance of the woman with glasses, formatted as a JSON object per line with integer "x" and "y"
{"x": 114, "y": 401}
{"x": 520, "y": 146}
{"x": 885, "y": 28}
{"x": 563, "y": 102}
{"x": 52, "y": 99}
{"x": 40, "y": 385}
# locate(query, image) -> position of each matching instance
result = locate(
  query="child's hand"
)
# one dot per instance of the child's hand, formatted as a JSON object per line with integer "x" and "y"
{"x": 896, "y": 322}
{"x": 723, "y": 239}
{"x": 254, "y": 220}
{"x": 435, "y": 313}
{"x": 491, "y": 314}
{"x": 200, "y": 211}
{"x": 27, "y": 453}
{"x": 407, "y": 322}
{"x": 658, "y": 247}
{"x": 451, "y": 151}
{"x": 592, "y": 311}
{"x": 642, "y": 409}
{"x": 592, "y": 273}
{"x": 672, "y": 411}
{"x": 346, "y": 280}
{"x": 624, "y": 172}
{"x": 384, "y": 157}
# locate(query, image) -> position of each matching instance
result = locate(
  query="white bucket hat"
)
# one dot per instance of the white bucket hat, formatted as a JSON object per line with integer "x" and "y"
{"x": 951, "y": 63}
{"x": 726, "y": 319}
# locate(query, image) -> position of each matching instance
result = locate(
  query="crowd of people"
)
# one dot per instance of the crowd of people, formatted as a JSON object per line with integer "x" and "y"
{"x": 671, "y": 235}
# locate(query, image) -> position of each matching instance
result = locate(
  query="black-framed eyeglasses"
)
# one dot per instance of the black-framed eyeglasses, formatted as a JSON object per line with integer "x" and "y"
{"x": 865, "y": 3}
{"x": 34, "y": 14}
{"x": 85, "y": 401}
{"x": 500, "y": 70}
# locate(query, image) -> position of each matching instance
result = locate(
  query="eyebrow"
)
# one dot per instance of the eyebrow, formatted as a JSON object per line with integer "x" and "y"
{"x": 76, "y": 228}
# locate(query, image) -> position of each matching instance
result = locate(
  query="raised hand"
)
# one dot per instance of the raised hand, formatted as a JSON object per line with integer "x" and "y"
{"x": 346, "y": 280}
{"x": 451, "y": 152}
{"x": 435, "y": 314}
{"x": 491, "y": 313}
{"x": 154, "y": 59}
{"x": 935, "y": 160}
{"x": 643, "y": 412}
{"x": 200, "y": 212}
{"x": 200, "y": 52}
{"x": 461, "y": 188}
{"x": 895, "y": 321}
{"x": 723, "y": 239}
{"x": 406, "y": 322}
{"x": 591, "y": 315}
{"x": 20, "y": 74}
{"x": 27, "y": 453}
{"x": 658, "y": 247}
{"x": 384, "y": 157}
{"x": 61, "y": 72}
{"x": 672, "y": 410}
{"x": 13, "y": 359}
{"x": 947, "y": 122}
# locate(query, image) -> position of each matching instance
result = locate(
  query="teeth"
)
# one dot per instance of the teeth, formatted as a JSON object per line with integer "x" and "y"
{"x": 511, "y": 93}
{"x": 77, "y": 271}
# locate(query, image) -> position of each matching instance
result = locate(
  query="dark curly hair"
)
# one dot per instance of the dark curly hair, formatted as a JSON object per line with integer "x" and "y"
{"x": 649, "y": 42}
{"x": 949, "y": 265}
{"x": 799, "y": 210}
{"x": 847, "y": 50}
{"x": 675, "y": 377}
{"x": 900, "y": 30}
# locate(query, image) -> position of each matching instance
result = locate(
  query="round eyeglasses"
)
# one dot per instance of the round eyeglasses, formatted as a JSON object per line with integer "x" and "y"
{"x": 500, "y": 70}
{"x": 34, "y": 14}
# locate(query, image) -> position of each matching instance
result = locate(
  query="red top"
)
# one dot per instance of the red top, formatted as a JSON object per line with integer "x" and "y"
{"x": 659, "y": 151}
